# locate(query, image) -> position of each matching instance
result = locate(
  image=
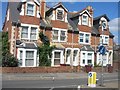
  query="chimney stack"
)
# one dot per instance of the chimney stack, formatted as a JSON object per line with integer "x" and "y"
{"x": 42, "y": 8}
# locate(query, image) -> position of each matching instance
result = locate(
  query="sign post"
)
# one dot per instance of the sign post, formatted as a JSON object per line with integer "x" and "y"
{"x": 102, "y": 51}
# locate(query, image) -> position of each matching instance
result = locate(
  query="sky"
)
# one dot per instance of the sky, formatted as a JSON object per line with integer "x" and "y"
{"x": 100, "y": 8}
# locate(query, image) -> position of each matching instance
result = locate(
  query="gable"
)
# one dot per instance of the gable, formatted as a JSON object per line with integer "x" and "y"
{"x": 85, "y": 11}
{"x": 36, "y": 1}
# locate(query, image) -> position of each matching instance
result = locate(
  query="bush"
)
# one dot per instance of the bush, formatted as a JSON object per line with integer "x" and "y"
{"x": 45, "y": 51}
{"x": 9, "y": 61}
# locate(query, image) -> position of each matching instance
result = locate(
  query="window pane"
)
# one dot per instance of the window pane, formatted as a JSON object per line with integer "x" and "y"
{"x": 24, "y": 33}
{"x": 29, "y": 62}
{"x": 29, "y": 54}
{"x": 84, "y": 20}
{"x": 81, "y": 37}
{"x": 68, "y": 53}
{"x": 63, "y": 33}
{"x": 55, "y": 34}
{"x": 83, "y": 55}
{"x": 83, "y": 61}
{"x": 104, "y": 24}
{"x": 21, "y": 54}
{"x": 33, "y": 33}
{"x": 74, "y": 54}
{"x": 106, "y": 39}
{"x": 33, "y": 30}
{"x": 55, "y": 37}
{"x": 87, "y": 38}
{"x": 89, "y": 61}
{"x": 100, "y": 39}
{"x": 60, "y": 14}
{"x": 57, "y": 54}
{"x": 62, "y": 36}
{"x": 30, "y": 8}
{"x": 89, "y": 55}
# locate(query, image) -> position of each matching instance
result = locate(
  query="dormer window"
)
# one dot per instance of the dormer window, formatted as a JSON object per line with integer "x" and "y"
{"x": 104, "y": 25}
{"x": 60, "y": 14}
{"x": 30, "y": 9}
{"x": 84, "y": 19}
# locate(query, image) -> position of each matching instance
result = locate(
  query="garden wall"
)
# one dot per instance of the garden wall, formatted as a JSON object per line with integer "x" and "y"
{"x": 61, "y": 69}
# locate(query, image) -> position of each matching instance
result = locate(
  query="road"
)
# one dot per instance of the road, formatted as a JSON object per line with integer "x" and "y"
{"x": 56, "y": 83}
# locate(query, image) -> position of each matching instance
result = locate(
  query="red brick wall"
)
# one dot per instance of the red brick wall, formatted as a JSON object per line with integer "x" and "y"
{"x": 37, "y": 69}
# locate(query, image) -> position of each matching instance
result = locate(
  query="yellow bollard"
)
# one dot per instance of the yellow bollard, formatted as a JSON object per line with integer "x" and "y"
{"x": 92, "y": 79}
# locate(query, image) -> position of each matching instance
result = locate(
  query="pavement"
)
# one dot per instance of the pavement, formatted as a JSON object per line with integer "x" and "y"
{"x": 60, "y": 76}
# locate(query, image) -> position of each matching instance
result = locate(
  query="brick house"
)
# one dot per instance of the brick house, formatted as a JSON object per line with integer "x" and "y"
{"x": 75, "y": 35}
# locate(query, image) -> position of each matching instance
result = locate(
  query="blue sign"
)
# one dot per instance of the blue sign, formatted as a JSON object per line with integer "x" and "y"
{"x": 102, "y": 50}
{"x": 90, "y": 74}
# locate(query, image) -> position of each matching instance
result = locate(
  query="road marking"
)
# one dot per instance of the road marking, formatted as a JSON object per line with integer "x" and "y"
{"x": 112, "y": 80}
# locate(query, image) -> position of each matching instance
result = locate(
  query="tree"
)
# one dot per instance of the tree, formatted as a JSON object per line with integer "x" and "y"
{"x": 45, "y": 51}
{"x": 8, "y": 60}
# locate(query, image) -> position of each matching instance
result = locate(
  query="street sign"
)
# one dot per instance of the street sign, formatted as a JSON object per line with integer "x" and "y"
{"x": 102, "y": 50}
{"x": 90, "y": 74}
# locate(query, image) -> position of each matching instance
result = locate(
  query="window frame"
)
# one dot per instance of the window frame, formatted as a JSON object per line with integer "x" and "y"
{"x": 86, "y": 58}
{"x": 29, "y": 31}
{"x": 104, "y": 40}
{"x": 85, "y": 23}
{"x": 84, "y": 38}
{"x": 30, "y": 3}
{"x": 59, "y": 35}
{"x": 62, "y": 14}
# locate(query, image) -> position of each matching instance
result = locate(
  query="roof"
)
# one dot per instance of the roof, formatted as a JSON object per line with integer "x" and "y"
{"x": 73, "y": 22}
{"x": 94, "y": 30}
{"x": 56, "y": 6}
{"x": 29, "y": 45}
{"x": 57, "y": 45}
{"x": 99, "y": 17}
{"x": 14, "y": 11}
{"x": 44, "y": 23}
{"x": 87, "y": 48}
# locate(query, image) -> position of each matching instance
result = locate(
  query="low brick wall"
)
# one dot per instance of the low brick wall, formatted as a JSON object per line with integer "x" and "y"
{"x": 116, "y": 65}
{"x": 60, "y": 69}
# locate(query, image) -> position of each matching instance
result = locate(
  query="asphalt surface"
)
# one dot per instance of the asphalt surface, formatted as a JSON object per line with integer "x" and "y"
{"x": 56, "y": 80}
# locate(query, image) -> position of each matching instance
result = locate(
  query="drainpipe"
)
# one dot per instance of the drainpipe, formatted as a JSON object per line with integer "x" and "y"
{"x": 72, "y": 51}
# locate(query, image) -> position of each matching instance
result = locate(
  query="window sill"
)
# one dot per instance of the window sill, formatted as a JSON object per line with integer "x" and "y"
{"x": 84, "y": 43}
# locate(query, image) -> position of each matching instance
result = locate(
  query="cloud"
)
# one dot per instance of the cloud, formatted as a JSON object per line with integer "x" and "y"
{"x": 114, "y": 28}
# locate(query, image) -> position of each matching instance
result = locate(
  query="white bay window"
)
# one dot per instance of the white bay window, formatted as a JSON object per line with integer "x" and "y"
{"x": 27, "y": 57}
{"x": 87, "y": 58}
